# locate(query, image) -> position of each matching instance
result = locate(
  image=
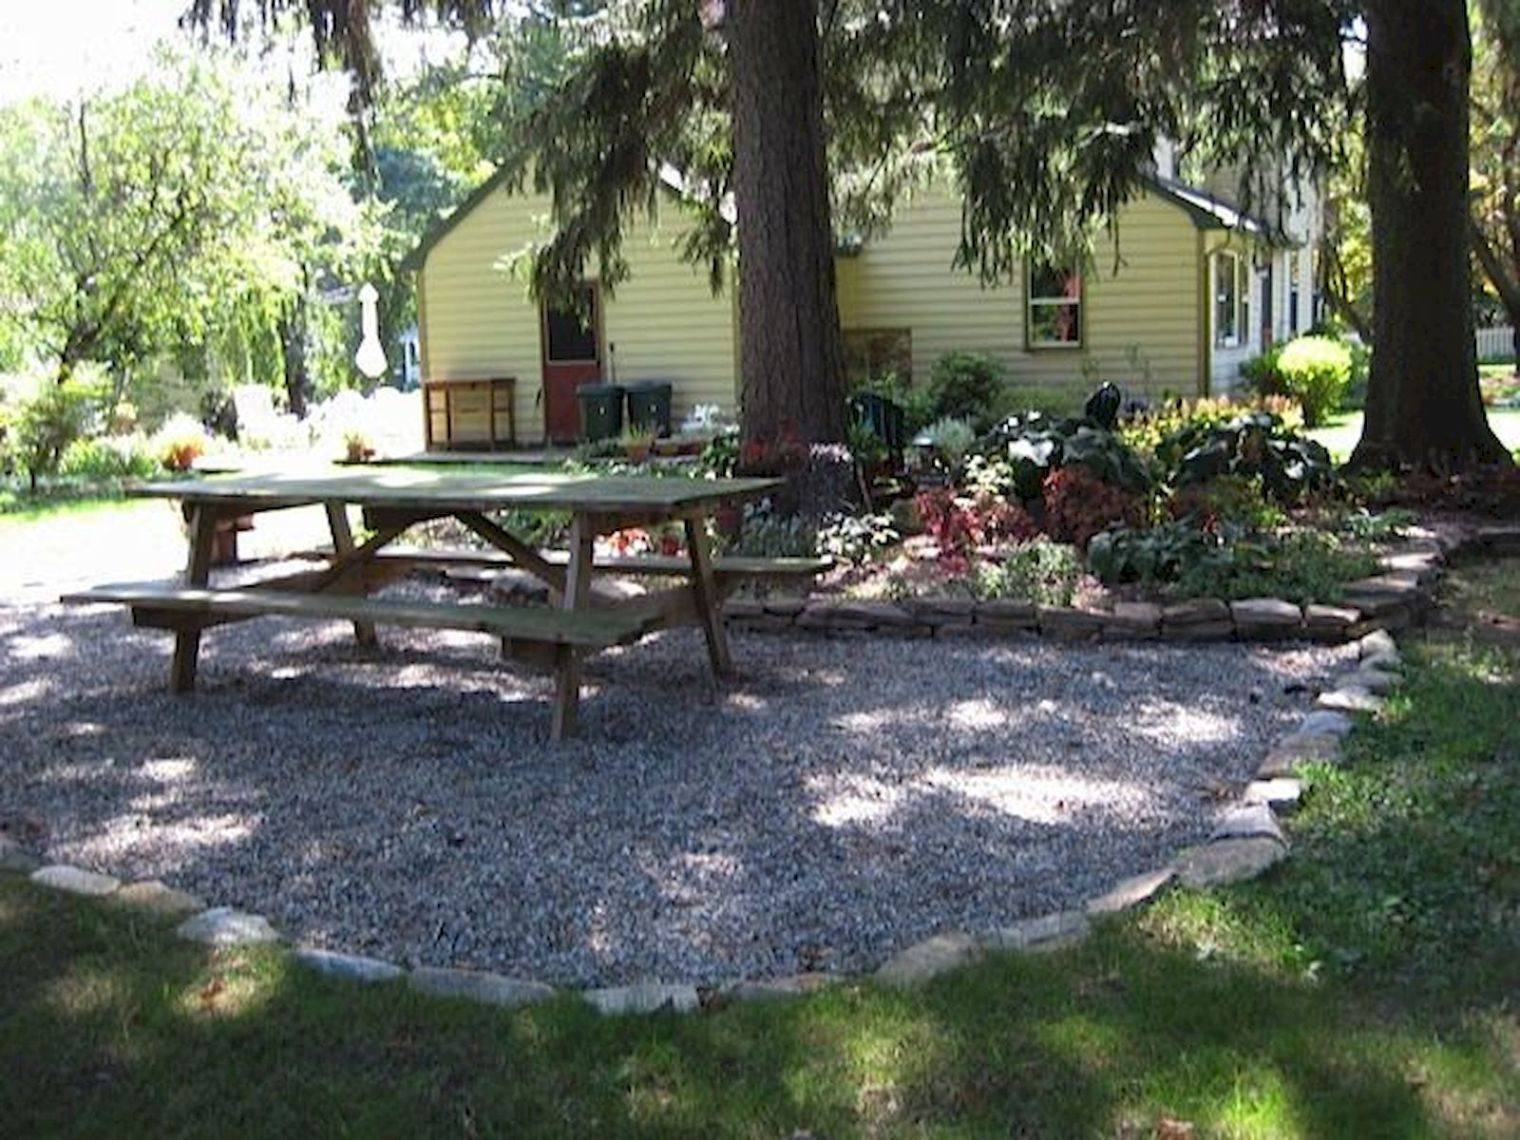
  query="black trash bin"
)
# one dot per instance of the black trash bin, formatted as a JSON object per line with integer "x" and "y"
{"x": 601, "y": 410}
{"x": 649, "y": 406}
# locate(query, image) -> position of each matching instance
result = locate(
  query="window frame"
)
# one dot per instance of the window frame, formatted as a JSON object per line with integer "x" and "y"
{"x": 1240, "y": 305}
{"x": 1079, "y": 303}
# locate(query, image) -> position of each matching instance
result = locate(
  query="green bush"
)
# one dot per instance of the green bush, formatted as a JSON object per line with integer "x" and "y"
{"x": 48, "y": 423}
{"x": 1040, "y": 571}
{"x": 1264, "y": 373}
{"x": 966, "y": 385}
{"x": 951, "y": 440}
{"x": 1033, "y": 445}
{"x": 1316, "y": 372}
{"x": 109, "y": 457}
{"x": 1254, "y": 446}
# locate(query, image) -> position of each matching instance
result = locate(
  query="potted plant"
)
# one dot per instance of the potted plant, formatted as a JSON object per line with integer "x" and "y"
{"x": 637, "y": 443}
{"x": 356, "y": 446}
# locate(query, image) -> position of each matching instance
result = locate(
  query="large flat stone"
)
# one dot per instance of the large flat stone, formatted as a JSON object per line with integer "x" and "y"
{"x": 1348, "y": 699}
{"x": 1066, "y": 622}
{"x": 1298, "y": 748}
{"x": 75, "y": 880}
{"x": 354, "y": 967}
{"x": 1005, "y": 613}
{"x": 14, "y": 857}
{"x": 1386, "y": 661}
{"x": 1197, "y": 611}
{"x": 929, "y": 959}
{"x": 1330, "y": 621}
{"x": 644, "y": 997}
{"x": 1248, "y": 821}
{"x": 1036, "y": 935}
{"x": 1138, "y": 621}
{"x": 223, "y": 926}
{"x": 1281, "y": 793}
{"x": 1378, "y": 641}
{"x": 1371, "y": 680}
{"x": 1221, "y": 630}
{"x": 773, "y": 989}
{"x": 159, "y": 898}
{"x": 478, "y": 986}
{"x": 1131, "y": 892}
{"x": 1227, "y": 861}
{"x": 1326, "y": 722}
{"x": 1266, "y": 617}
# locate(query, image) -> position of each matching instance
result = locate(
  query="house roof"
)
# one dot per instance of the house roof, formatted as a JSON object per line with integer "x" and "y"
{"x": 1209, "y": 212}
{"x": 1206, "y": 211}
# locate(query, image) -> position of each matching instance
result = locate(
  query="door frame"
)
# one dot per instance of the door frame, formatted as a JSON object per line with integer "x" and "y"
{"x": 598, "y": 331}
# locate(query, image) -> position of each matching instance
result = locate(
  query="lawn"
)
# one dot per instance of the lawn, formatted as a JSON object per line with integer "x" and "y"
{"x": 1342, "y": 432}
{"x": 1365, "y": 988}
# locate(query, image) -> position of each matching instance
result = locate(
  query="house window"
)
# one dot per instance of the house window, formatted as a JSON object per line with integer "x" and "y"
{"x": 1293, "y": 275}
{"x": 1054, "y": 315}
{"x": 570, "y": 334}
{"x": 873, "y": 354}
{"x": 1232, "y": 299}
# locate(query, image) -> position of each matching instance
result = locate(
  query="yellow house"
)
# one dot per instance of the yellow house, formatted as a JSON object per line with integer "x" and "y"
{"x": 1190, "y": 290}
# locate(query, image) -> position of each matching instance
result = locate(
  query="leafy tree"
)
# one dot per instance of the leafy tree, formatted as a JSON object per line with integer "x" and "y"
{"x": 1045, "y": 113}
{"x": 1496, "y": 151}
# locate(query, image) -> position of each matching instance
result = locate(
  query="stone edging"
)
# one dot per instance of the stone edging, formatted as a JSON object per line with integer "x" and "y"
{"x": 1394, "y": 599}
{"x": 1246, "y": 842}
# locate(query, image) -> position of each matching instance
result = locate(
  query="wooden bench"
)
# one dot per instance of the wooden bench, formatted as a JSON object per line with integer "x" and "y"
{"x": 548, "y": 637}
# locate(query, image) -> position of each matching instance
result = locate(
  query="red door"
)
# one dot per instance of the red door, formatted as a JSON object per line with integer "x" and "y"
{"x": 572, "y": 356}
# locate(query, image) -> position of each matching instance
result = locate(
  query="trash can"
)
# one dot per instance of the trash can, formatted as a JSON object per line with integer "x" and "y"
{"x": 649, "y": 406}
{"x": 601, "y": 410}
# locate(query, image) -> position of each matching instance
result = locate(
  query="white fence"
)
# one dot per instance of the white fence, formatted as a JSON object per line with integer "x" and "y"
{"x": 1496, "y": 344}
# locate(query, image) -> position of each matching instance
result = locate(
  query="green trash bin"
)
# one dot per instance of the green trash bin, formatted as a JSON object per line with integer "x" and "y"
{"x": 649, "y": 406}
{"x": 601, "y": 410}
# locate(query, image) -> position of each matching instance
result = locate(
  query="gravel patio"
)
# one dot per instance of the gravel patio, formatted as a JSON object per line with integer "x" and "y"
{"x": 847, "y": 797}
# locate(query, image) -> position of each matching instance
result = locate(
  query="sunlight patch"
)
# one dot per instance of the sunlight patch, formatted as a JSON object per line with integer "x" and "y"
{"x": 1036, "y": 792}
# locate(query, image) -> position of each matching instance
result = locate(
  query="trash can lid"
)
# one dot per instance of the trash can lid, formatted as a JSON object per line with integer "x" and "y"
{"x": 598, "y": 388}
{"x": 648, "y": 385}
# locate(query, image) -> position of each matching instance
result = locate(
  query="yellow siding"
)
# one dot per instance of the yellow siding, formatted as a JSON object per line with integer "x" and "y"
{"x": 478, "y": 322}
{"x": 1147, "y": 311}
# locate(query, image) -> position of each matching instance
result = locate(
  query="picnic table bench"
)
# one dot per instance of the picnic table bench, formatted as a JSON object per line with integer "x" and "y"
{"x": 394, "y": 500}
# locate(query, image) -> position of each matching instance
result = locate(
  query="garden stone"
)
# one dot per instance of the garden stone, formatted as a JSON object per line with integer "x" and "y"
{"x": 152, "y": 895}
{"x": 929, "y": 959}
{"x": 877, "y": 615}
{"x": 1227, "y": 861}
{"x": 1265, "y": 617}
{"x": 1198, "y": 611}
{"x": 771, "y": 989}
{"x": 1346, "y": 699}
{"x": 1248, "y": 821}
{"x": 223, "y": 926}
{"x": 1299, "y": 748}
{"x": 821, "y": 615}
{"x": 743, "y": 609}
{"x": 351, "y": 966}
{"x": 785, "y": 607}
{"x": 1037, "y": 935}
{"x": 1140, "y": 621}
{"x": 1131, "y": 892}
{"x": 943, "y": 611}
{"x": 1326, "y": 722}
{"x": 75, "y": 880}
{"x": 1330, "y": 623}
{"x": 1425, "y": 565}
{"x": 1007, "y": 614}
{"x": 644, "y": 997}
{"x": 1379, "y": 641}
{"x": 1281, "y": 794}
{"x": 1499, "y": 539}
{"x": 1384, "y": 662}
{"x": 1065, "y": 622}
{"x": 14, "y": 857}
{"x": 478, "y": 986}
{"x": 1372, "y": 680}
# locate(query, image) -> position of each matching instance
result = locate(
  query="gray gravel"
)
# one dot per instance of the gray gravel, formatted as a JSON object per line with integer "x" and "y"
{"x": 845, "y": 798}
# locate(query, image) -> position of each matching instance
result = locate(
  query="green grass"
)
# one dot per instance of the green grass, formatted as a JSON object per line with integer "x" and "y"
{"x": 1364, "y": 989}
{"x": 23, "y": 507}
{"x": 1340, "y": 435}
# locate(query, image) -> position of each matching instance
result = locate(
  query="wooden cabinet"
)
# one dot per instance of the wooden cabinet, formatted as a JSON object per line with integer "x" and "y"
{"x": 470, "y": 415}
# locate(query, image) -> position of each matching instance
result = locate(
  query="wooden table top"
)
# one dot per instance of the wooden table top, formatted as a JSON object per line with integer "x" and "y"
{"x": 456, "y": 491}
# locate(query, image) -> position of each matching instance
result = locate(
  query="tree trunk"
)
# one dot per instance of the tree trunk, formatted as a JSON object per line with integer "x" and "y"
{"x": 1423, "y": 406}
{"x": 791, "y": 352}
{"x": 293, "y": 355}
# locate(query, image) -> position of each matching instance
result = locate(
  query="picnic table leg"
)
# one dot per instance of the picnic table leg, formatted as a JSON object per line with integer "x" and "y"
{"x": 567, "y": 659}
{"x": 187, "y": 641}
{"x": 704, "y": 588}
{"x": 343, "y": 543}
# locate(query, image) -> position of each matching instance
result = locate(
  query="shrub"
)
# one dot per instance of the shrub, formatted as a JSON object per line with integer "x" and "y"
{"x": 1079, "y": 504}
{"x": 1256, "y": 445}
{"x": 965, "y": 386}
{"x": 180, "y": 442}
{"x": 1230, "y": 500}
{"x": 47, "y": 423}
{"x": 917, "y": 403}
{"x": 766, "y": 535}
{"x": 1121, "y": 554}
{"x": 1039, "y": 571}
{"x": 1302, "y": 567}
{"x": 950, "y": 439}
{"x": 1033, "y": 445}
{"x": 959, "y": 523}
{"x": 109, "y": 457}
{"x": 1315, "y": 371}
{"x": 856, "y": 538}
{"x": 1146, "y": 431}
{"x": 1263, "y": 373}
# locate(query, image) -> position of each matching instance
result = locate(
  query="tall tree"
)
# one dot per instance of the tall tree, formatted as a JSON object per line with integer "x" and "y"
{"x": 1423, "y": 403}
{"x": 1496, "y": 151}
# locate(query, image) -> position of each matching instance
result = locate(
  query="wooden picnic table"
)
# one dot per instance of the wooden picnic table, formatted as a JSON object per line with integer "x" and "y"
{"x": 396, "y": 499}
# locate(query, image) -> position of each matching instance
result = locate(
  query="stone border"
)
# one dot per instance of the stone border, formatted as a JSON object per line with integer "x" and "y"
{"x": 1246, "y": 841}
{"x": 1394, "y": 599}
